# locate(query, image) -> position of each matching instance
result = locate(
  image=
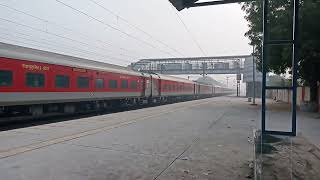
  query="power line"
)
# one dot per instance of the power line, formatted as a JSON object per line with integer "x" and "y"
{"x": 40, "y": 30}
{"x": 135, "y": 26}
{"x": 40, "y": 46}
{"x": 64, "y": 52}
{"x": 45, "y": 41}
{"x": 190, "y": 33}
{"x": 114, "y": 28}
{"x": 62, "y": 27}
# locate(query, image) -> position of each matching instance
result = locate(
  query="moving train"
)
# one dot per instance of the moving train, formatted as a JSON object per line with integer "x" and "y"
{"x": 37, "y": 82}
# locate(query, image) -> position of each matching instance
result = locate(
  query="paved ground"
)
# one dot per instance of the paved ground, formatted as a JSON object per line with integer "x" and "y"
{"x": 278, "y": 117}
{"x": 203, "y": 139}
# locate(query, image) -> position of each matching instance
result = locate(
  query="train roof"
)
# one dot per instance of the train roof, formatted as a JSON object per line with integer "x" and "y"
{"x": 173, "y": 78}
{"x": 24, "y": 53}
{"x": 30, "y": 54}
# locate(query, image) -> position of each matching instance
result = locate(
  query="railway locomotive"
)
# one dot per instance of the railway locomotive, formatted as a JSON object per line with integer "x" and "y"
{"x": 38, "y": 82}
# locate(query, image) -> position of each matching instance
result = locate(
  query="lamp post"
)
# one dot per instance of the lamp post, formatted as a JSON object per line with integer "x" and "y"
{"x": 253, "y": 77}
{"x": 227, "y": 81}
{"x": 238, "y": 77}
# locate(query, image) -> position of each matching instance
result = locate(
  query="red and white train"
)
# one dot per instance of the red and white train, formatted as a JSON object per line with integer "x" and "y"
{"x": 39, "y": 82}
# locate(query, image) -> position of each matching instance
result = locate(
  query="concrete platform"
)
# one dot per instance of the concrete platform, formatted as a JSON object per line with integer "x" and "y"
{"x": 203, "y": 139}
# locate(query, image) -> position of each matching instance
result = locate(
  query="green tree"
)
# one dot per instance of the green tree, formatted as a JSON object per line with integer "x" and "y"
{"x": 280, "y": 28}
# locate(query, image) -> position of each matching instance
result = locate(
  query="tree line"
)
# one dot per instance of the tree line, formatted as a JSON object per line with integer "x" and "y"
{"x": 280, "y": 23}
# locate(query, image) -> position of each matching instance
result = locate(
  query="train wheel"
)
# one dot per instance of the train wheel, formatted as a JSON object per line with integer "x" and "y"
{"x": 36, "y": 110}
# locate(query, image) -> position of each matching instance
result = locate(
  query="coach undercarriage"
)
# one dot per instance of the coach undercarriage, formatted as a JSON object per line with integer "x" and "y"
{"x": 39, "y": 110}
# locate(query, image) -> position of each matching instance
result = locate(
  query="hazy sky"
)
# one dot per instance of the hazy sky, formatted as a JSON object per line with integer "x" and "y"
{"x": 105, "y": 37}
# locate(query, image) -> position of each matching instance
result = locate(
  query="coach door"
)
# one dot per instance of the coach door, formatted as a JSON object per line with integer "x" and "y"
{"x": 159, "y": 84}
{"x": 147, "y": 84}
{"x": 212, "y": 89}
{"x": 155, "y": 85}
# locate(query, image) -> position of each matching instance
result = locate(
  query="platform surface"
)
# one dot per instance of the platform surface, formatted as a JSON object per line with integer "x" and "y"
{"x": 202, "y": 139}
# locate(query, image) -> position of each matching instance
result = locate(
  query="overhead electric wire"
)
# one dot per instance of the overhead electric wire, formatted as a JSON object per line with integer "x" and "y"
{"x": 114, "y": 28}
{"x": 188, "y": 31}
{"x": 46, "y": 41}
{"x": 39, "y": 46}
{"x": 65, "y": 28}
{"x": 43, "y": 31}
{"x": 135, "y": 26}
{"x": 65, "y": 53}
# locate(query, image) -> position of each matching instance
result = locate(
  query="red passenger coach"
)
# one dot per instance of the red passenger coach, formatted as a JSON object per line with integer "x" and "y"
{"x": 173, "y": 86}
{"x": 34, "y": 78}
{"x": 33, "y": 82}
{"x": 39, "y": 82}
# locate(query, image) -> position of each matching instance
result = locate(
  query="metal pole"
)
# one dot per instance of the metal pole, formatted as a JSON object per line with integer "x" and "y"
{"x": 238, "y": 88}
{"x": 264, "y": 65}
{"x": 203, "y": 71}
{"x": 237, "y": 77}
{"x": 254, "y": 77}
{"x": 227, "y": 81}
{"x": 295, "y": 66}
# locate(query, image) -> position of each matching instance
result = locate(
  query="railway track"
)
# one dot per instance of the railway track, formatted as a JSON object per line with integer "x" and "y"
{"x": 14, "y": 122}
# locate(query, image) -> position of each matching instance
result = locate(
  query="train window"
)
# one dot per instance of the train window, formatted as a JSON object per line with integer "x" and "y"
{"x": 133, "y": 85}
{"x": 113, "y": 83}
{"x": 5, "y": 78}
{"x": 99, "y": 83}
{"x": 124, "y": 84}
{"x": 35, "y": 80}
{"x": 62, "y": 81}
{"x": 83, "y": 82}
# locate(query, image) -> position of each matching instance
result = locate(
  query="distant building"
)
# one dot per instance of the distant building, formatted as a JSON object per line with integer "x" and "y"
{"x": 221, "y": 65}
{"x": 172, "y": 66}
{"x": 210, "y": 80}
{"x": 248, "y": 78}
{"x": 271, "y": 80}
